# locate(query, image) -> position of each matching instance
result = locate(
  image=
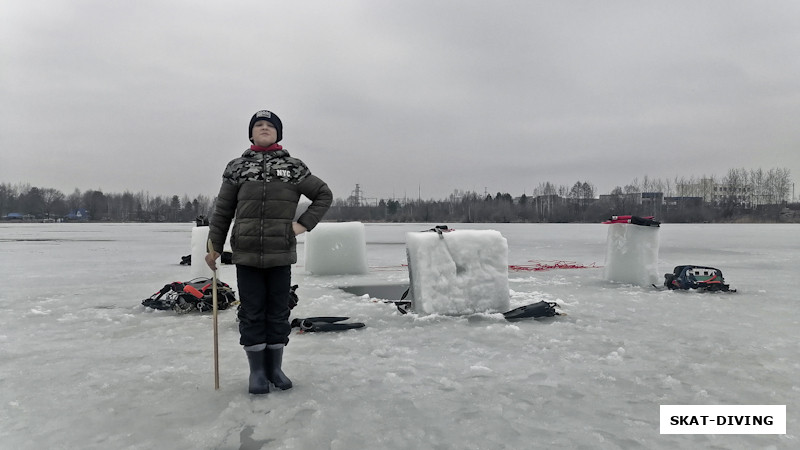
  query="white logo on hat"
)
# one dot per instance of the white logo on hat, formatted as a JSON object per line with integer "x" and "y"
{"x": 264, "y": 113}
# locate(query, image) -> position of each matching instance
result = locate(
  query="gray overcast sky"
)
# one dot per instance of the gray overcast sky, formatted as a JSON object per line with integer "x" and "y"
{"x": 405, "y": 98}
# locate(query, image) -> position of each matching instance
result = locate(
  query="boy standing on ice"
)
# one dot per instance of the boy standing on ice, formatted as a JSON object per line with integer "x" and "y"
{"x": 261, "y": 190}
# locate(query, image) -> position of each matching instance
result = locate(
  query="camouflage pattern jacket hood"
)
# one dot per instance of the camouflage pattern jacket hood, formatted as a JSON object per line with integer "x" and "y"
{"x": 260, "y": 190}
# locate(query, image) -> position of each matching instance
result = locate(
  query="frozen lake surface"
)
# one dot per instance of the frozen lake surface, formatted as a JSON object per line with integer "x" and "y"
{"x": 84, "y": 366}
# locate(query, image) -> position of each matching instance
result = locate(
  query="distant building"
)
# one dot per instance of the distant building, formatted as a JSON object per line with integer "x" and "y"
{"x": 715, "y": 193}
{"x": 684, "y": 202}
{"x": 632, "y": 199}
{"x": 648, "y": 203}
{"x": 636, "y": 198}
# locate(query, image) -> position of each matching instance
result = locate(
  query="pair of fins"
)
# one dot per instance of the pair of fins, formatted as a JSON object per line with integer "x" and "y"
{"x": 321, "y": 324}
{"x": 534, "y": 310}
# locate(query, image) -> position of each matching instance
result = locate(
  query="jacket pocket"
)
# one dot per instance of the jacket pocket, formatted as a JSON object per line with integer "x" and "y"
{"x": 290, "y": 238}
{"x": 234, "y": 232}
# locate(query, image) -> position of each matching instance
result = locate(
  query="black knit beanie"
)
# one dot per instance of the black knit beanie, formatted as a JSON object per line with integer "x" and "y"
{"x": 270, "y": 117}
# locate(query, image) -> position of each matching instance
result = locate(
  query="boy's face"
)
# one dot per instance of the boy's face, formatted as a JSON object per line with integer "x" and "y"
{"x": 264, "y": 133}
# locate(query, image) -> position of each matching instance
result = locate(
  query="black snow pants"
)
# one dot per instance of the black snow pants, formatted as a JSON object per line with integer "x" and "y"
{"x": 264, "y": 310}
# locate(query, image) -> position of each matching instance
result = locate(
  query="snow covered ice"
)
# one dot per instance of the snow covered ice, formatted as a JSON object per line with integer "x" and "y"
{"x": 84, "y": 366}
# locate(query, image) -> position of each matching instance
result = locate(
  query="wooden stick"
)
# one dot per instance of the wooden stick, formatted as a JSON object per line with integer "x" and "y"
{"x": 216, "y": 334}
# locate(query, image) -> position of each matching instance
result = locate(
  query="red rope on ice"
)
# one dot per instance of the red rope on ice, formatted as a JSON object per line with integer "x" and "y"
{"x": 549, "y": 265}
{"x": 535, "y": 267}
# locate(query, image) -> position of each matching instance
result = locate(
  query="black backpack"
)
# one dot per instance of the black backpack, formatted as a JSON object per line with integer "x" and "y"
{"x": 197, "y": 294}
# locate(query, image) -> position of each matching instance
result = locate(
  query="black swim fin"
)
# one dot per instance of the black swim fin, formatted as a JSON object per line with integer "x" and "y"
{"x": 313, "y": 324}
{"x": 324, "y": 326}
{"x": 538, "y": 309}
{"x": 326, "y": 319}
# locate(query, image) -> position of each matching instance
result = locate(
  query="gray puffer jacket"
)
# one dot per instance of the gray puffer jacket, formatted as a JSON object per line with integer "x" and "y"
{"x": 261, "y": 191}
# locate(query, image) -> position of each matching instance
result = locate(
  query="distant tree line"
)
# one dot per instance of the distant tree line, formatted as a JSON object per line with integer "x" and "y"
{"x": 48, "y": 203}
{"x": 474, "y": 208}
{"x": 740, "y": 195}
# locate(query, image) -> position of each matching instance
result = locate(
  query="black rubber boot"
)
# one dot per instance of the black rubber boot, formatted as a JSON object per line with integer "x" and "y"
{"x": 273, "y": 360}
{"x": 258, "y": 376}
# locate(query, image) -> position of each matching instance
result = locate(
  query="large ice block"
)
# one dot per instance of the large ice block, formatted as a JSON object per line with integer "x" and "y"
{"x": 632, "y": 254}
{"x": 199, "y": 251}
{"x": 458, "y": 272}
{"x": 336, "y": 249}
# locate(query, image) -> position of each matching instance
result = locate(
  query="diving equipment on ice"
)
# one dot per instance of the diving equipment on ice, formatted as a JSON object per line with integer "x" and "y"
{"x": 197, "y": 294}
{"x": 646, "y": 221}
{"x": 696, "y": 277}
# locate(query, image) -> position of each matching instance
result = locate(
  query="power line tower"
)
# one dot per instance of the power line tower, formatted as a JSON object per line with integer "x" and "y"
{"x": 356, "y": 197}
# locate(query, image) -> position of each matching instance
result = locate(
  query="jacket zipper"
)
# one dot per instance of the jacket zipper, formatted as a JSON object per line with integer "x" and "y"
{"x": 263, "y": 207}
